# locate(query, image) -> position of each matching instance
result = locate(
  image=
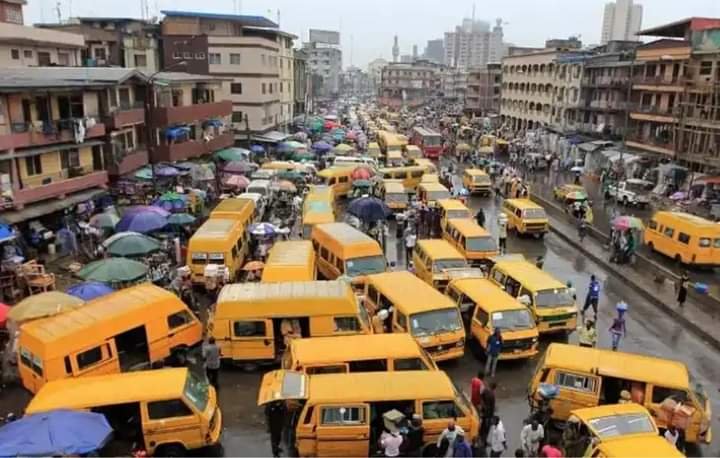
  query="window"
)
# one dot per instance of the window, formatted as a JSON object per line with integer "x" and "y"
{"x": 440, "y": 409}
{"x": 704, "y": 242}
{"x": 236, "y": 88}
{"x": 178, "y": 319}
{"x": 669, "y": 232}
{"x": 187, "y": 55}
{"x": 69, "y": 159}
{"x": 28, "y": 54}
{"x": 659, "y": 394}
{"x": 372, "y": 294}
{"x": 158, "y": 410}
{"x": 575, "y": 382}
{"x": 215, "y": 58}
{"x": 281, "y": 88}
{"x": 199, "y": 56}
{"x": 13, "y": 13}
{"x": 270, "y": 87}
{"x": 706, "y": 68}
{"x": 249, "y": 328}
{"x": 482, "y": 316}
{"x": 100, "y": 53}
{"x": 263, "y": 88}
{"x": 234, "y": 59}
{"x": 346, "y": 324}
{"x": 63, "y": 59}
{"x": 401, "y": 320}
{"x": 683, "y": 238}
{"x": 342, "y": 415}
{"x": 176, "y": 55}
{"x": 140, "y": 60}
{"x": 31, "y": 361}
{"x": 68, "y": 365}
{"x": 309, "y": 415}
{"x": 652, "y": 224}
{"x": 237, "y": 116}
{"x": 262, "y": 58}
{"x": 33, "y": 165}
{"x": 89, "y": 357}
{"x": 498, "y": 277}
{"x": 385, "y": 303}
{"x": 416, "y": 173}
{"x": 15, "y": 54}
{"x": 324, "y": 253}
{"x": 410, "y": 364}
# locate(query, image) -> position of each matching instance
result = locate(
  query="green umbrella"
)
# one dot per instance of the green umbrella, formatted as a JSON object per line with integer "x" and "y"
{"x": 105, "y": 220}
{"x": 296, "y": 145}
{"x": 144, "y": 173}
{"x": 113, "y": 270}
{"x": 303, "y": 156}
{"x": 231, "y": 154}
{"x": 362, "y": 183}
{"x": 289, "y": 175}
{"x": 181, "y": 219}
{"x": 133, "y": 245}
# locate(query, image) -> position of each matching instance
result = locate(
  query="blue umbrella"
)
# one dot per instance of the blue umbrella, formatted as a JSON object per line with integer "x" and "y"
{"x": 262, "y": 229}
{"x": 322, "y": 146}
{"x": 284, "y": 147}
{"x": 166, "y": 171}
{"x": 89, "y": 290}
{"x": 6, "y": 233}
{"x": 369, "y": 209}
{"x": 142, "y": 222}
{"x": 257, "y": 149}
{"x": 55, "y": 433}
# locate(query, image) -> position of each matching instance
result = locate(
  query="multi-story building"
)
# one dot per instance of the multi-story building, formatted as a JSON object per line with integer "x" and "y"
{"x": 409, "y": 85}
{"x": 287, "y": 79}
{"x": 453, "y": 84}
{"x": 675, "y": 91}
{"x": 301, "y": 83}
{"x": 120, "y": 42}
{"x": 622, "y": 20}
{"x": 24, "y": 46}
{"x": 435, "y": 51}
{"x": 245, "y": 51}
{"x": 354, "y": 81}
{"x": 325, "y": 60}
{"x": 375, "y": 71}
{"x": 605, "y": 86}
{"x": 484, "y": 87}
{"x": 473, "y": 44}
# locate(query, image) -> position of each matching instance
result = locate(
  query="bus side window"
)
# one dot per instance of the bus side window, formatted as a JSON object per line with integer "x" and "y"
{"x": 499, "y": 277}
{"x": 309, "y": 415}
{"x": 652, "y": 224}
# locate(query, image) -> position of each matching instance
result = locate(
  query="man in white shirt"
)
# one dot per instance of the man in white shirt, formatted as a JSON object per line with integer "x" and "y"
{"x": 496, "y": 438}
{"x": 449, "y": 434}
{"x": 391, "y": 442}
{"x": 410, "y": 240}
{"x": 531, "y": 436}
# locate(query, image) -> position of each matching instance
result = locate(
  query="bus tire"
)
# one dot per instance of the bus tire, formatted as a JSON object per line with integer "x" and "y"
{"x": 170, "y": 450}
{"x": 429, "y": 450}
{"x": 651, "y": 246}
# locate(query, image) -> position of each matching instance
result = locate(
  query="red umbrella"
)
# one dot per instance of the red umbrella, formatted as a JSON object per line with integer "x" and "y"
{"x": 4, "y": 310}
{"x": 236, "y": 181}
{"x": 362, "y": 173}
{"x": 351, "y": 135}
{"x": 330, "y": 125}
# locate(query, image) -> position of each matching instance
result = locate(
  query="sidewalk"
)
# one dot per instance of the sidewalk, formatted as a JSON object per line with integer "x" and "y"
{"x": 662, "y": 294}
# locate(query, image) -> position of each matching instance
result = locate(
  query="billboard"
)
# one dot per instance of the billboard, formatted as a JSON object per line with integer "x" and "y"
{"x": 325, "y": 36}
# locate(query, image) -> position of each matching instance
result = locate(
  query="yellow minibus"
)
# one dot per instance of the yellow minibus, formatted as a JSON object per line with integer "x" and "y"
{"x": 217, "y": 241}
{"x": 477, "y": 181}
{"x": 410, "y": 175}
{"x": 525, "y": 217}
{"x": 338, "y": 178}
{"x": 239, "y": 209}
{"x": 290, "y": 260}
{"x": 394, "y": 194}
{"x": 342, "y": 250}
{"x": 130, "y": 329}
{"x": 431, "y": 193}
{"x": 451, "y": 209}
{"x": 472, "y": 241}
{"x": 686, "y": 238}
{"x": 433, "y": 259}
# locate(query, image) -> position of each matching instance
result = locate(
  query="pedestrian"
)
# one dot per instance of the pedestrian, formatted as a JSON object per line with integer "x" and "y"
{"x": 410, "y": 240}
{"x": 493, "y": 350}
{"x": 480, "y": 218}
{"x": 587, "y": 336}
{"x": 681, "y": 288}
{"x": 593, "y": 296}
{"x": 488, "y": 411}
{"x": 496, "y": 437}
{"x": 400, "y": 221}
{"x": 414, "y": 438}
{"x": 275, "y": 413}
{"x": 446, "y": 441}
{"x": 519, "y": 453}
{"x": 477, "y": 386}
{"x": 539, "y": 262}
{"x": 391, "y": 441}
{"x": 378, "y": 321}
{"x": 211, "y": 354}
{"x": 461, "y": 447}
{"x": 531, "y": 436}
{"x": 551, "y": 450}
{"x": 502, "y": 233}
{"x": 617, "y": 328}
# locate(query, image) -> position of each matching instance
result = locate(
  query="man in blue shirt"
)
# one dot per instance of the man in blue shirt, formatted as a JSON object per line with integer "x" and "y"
{"x": 593, "y": 296}
{"x": 494, "y": 348}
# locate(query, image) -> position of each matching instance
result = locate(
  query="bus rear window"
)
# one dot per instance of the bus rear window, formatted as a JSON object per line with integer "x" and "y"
{"x": 216, "y": 258}
{"x": 199, "y": 258}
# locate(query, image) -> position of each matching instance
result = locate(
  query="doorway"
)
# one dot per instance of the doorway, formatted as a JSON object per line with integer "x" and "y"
{"x": 132, "y": 349}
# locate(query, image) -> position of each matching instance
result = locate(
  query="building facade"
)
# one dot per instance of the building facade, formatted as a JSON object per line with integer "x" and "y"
{"x": 375, "y": 72}
{"x": 245, "y": 51}
{"x": 453, "y": 84}
{"x": 622, "y": 21}
{"x": 409, "y": 85}
{"x": 301, "y": 83}
{"x": 325, "y": 60}
{"x": 435, "y": 51}
{"x": 484, "y": 86}
{"x": 473, "y": 44}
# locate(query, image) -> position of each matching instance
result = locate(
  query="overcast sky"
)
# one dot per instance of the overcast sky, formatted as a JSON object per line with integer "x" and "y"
{"x": 367, "y": 27}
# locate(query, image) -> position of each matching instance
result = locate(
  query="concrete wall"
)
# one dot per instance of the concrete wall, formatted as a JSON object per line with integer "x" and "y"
{"x": 51, "y": 167}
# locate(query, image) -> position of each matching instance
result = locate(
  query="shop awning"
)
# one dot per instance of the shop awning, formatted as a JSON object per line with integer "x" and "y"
{"x": 272, "y": 136}
{"x": 33, "y": 211}
{"x": 588, "y": 147}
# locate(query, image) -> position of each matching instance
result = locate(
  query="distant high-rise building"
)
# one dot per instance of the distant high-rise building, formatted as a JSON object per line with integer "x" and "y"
{"x": 621, "y": 21}
{"x": 473, "y": 44}
{"x": 435, "y": 51}
{"x": 415, "y": 54}
{"x": 324, "y": 60}
{"x": 395, "y": 49}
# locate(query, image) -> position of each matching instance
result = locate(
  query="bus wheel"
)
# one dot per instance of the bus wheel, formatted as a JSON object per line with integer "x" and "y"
{"x": 430, "y": 450}
{"x": 171, "y": 450}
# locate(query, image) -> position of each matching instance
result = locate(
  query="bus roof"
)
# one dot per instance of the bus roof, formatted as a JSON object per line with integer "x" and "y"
{"x": 124, "y": 388}
{"x": 533, "y": 278}
{"x": 342, "y": 235}
{"x": 337, "y": 170}
{"x": 290, "y": 253}
{"x": 354, "y": 348}
{"x": 425, "y": 131}
{"x": 523, "y": 203}
{"x": 590, "y": 413}
{"x": 452, "y": 204}
{"x": 393, "y": 185}
{"x": 493, "y": 297}
{"x": 407, "y": 291}
{"x": 73, "y": 325}
{"x": 250, "y": 299}
{"x": 380, "y": 386}
{"x": 216, "y": 228}
{"x": 475, "y": 172}
{"x": 233, "y": 204}
{"x": 639, "y": 447}
{"x": 468, "y": 227}
{"x": 433, "y": 186}
{"x": 690, "y": 219}
{"x": 439, "y": 249}
{"x": 629, "y": 366}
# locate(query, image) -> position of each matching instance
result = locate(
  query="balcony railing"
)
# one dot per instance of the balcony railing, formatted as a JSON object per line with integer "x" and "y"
{"x": 657, "y": 80}
{"x": 606, "y": 81}
{"x": 656, "y": 110}
{"x": 43, "y": 133}
{"x": 130, "y": 161}
{"x": 58, "y": 187}
{"x": 165, "y": 116}
{"x": 126, "y": 115}
{"x": 193, "y": 148}
{"x": 658, "y": 142}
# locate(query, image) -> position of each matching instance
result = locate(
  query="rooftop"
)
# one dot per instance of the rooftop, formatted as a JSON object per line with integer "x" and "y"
{"x": 23, "y": 34}
{"x": 679, "y": 29}
{"x": 64, "y": 77}
{"x": 252, "y": 21}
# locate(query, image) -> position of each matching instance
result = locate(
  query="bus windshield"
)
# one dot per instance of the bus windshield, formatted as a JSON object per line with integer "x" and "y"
{"x": 480, "y": 244}
{"x": 196, "y": 391}
{"x": 534, "y": 213}
{"x": 437, "y": 195}
{"x": 432, "y": 140}
{"x": 442, "y": 264}
{"x": 365, "y": 265}
{"x": 512, "y": 319}
{"x": 435, "y": 322}
{"x": 620, "y": 425}
{"x": 549, "y": 298}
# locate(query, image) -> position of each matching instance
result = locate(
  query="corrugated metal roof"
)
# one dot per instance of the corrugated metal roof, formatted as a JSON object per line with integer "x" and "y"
{"x": 50, "y": 77}
{"x": 253, "y": 21}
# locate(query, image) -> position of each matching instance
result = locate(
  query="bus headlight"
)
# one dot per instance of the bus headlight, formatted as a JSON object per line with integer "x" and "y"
{"x": 460, "y": 343}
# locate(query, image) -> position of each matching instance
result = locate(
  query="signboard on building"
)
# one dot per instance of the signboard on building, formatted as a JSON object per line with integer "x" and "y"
{"x": 325, "y": 36}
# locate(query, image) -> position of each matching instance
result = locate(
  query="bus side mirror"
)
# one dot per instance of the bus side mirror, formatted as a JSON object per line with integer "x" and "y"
{"x": 525, "y": 300}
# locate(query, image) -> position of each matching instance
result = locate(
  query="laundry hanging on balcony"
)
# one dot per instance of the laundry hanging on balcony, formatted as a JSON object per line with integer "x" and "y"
{"x": 214, "y": 123}
{"x": 175, "y": 133}
{"x": 78, "y": 127}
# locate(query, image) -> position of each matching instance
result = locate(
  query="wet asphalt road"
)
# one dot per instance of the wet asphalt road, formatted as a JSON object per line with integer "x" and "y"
{"x": 649, "y": 332}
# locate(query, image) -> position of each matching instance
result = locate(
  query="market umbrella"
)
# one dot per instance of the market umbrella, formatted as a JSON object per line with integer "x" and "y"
{"x": 262, "y": 229}
{"x": 133, "y": 244}
{"x": 236, "y": 181}
{"x": 285, "y": 185}
{"x": 105, "y": 220}
{"x": 303, "y": 156}
{"x": 253, "y": 265}
{"x": 463, "y": 147}
{"x": 362, "y": 173}
{"x": 576, "y": 195}
{"x": 680, "y": 195}
{"x": 55, "y": 433}
{"x": 166, "y": 171}
{"x": 42, "y": 305}
{"x": 352, "y": 135}
{"x": 113, "y": 270}
{"x": 257, "y": 149}
{"x": 239, "y": 167}
{"x": 202, "y": 172}
{"x": 369, "y": 209}
{"x": 4, "y": 310}
{"x": 343, "y": 148}
{"x": 144, "y": 173}
{"x": 142, "y": 222}
{"x": 296, "y": 145}
{"x": 362, "y": 183}
{"x": 181, "y": 219}
{"x": 232, "y": 154}
{"x": 146, "y": 209}
{"x": 284, "y": 147}
{"x": 627, "y": 222}
{"x": 322, "y": 146}
{"x": 171, "y": 201}
{"x": 89, "y": 290}
{"x": 290, "y": 175}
